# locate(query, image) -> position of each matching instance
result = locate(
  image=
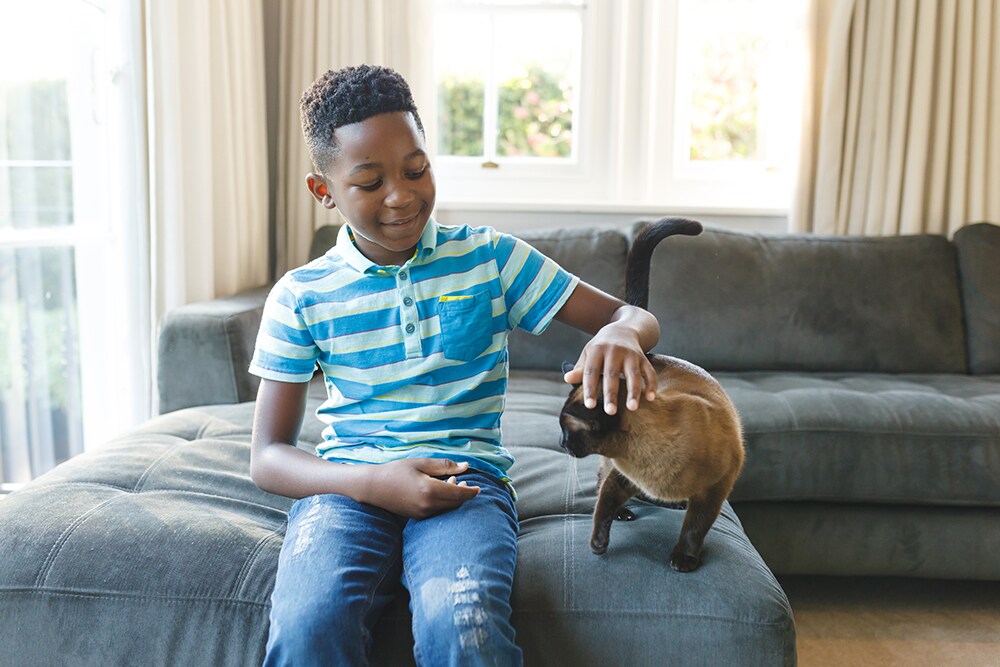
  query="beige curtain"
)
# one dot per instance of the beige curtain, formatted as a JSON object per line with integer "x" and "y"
{"x": 207, "y": 149}
{"x": 902, "y": 129}
{"x": 318, "y": 35}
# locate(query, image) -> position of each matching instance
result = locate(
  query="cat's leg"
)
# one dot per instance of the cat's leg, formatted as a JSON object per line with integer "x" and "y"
{"x": 615, "y": 490}
{"x": 702, "y": 512}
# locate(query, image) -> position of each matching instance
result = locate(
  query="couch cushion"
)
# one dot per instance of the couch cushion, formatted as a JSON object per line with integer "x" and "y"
{"x": 157, "y": 545}
{"x": 597, "y": 255}
{"x": 740, "y": 301}
{"x": 916, "y": 439}
{"x": 908, "y": 439}
{"x": 979, "y": 262}
{"x": 160, "y": 544}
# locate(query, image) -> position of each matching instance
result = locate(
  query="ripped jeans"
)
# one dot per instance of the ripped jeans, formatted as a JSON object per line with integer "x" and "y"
{"x": 341, "y": 563}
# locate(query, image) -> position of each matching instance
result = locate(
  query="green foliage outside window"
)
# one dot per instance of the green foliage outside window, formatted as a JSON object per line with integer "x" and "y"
{"x": 535, "y": 116}
{"x": 460, "y": 117}
{"x": 725, "y": 102}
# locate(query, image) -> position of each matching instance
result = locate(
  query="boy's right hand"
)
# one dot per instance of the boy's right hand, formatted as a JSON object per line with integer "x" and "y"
{"x": 409, "y": 487}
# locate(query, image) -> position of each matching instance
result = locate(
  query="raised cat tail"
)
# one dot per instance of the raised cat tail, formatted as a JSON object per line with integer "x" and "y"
{"x": 639, "y": 257}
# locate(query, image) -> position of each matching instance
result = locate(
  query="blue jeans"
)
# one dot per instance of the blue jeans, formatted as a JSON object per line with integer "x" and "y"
{"x": 341, "y": 563}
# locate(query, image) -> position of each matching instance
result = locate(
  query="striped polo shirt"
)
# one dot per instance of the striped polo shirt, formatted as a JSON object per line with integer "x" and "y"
{"x": 414, "y": 356}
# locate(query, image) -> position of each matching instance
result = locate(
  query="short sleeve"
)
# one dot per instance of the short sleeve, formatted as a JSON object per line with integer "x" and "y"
{"x": 535, "y": 287}
{"x": 285, "y": 349}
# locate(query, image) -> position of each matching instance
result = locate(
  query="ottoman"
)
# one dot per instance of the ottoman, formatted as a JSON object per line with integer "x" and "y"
{"x": 159, "y": 549}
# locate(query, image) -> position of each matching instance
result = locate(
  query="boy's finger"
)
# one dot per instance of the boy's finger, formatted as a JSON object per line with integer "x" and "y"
{"x": 611, "y": 382}
{"x": 575, "y": 374}
{"x": 633, "y": 381}
{"x": 440, "y": 467}
{"x": 591, "y": 376}
{"x": 460, "y": 492}
{"x": 585, "y": 374}
{"x": 652, "y": 380}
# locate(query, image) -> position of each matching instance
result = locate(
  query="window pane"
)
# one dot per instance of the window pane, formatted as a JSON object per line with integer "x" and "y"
{"x": 35, "y": 196}
{"x": 36, "y": 120}
{"x": 730, "y": 46}
{"x": 537, "y": 56}
{"x": 40, "y": 400}
{"x": 462, "y": 65}
{"x": 507, "y": 78}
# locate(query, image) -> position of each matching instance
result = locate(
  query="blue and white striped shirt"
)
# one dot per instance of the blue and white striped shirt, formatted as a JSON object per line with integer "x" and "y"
{"x": 414, "y": 356}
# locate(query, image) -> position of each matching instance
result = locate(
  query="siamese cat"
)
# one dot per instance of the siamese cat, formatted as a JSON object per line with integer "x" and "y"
{"x": 685, "y": 445}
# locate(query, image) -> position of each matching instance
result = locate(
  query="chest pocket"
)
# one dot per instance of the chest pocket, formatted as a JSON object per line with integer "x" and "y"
{"x": 466, "y": 325}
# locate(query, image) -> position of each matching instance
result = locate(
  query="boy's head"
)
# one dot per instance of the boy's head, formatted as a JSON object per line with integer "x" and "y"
{"x": 367, "y": 144}
{"x": 350, "y": 95}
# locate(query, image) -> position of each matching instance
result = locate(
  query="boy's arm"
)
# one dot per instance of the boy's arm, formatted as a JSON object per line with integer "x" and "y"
{"x": 622, "y": 336}
{"x": 406, "y": 487}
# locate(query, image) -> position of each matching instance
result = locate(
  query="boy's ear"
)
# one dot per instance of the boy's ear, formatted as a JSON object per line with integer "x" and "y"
{"x": 318, "y": 188}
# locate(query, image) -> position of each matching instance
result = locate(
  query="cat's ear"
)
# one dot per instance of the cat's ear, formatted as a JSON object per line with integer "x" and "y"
{"x": 567, "y": 367}
{"x": 579, "y": 425}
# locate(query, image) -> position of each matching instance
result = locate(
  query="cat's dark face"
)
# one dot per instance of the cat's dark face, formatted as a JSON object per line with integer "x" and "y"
{"x": 587, "y": 431}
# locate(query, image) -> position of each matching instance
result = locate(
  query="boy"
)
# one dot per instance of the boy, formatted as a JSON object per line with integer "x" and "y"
{"x": 408, "y": 321}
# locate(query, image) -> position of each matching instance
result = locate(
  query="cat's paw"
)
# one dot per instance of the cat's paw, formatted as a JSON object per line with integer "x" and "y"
{"x": 599, "y": 543}
{"x": 684, "y": 562}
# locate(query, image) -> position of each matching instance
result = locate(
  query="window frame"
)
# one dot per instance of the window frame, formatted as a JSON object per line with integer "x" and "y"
{"x": 107, "y": 236}
{"x": 465, "y": 180}
{"x": 630, "y": 63}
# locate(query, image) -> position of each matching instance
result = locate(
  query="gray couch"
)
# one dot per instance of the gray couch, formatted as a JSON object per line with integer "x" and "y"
{"x": 866, "y": 373}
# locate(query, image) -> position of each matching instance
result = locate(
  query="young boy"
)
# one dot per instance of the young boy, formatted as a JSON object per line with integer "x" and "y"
{"x": 408, "y": 321}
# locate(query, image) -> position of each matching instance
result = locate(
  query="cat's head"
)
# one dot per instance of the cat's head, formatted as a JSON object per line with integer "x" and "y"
{"x": 587, "y": 431}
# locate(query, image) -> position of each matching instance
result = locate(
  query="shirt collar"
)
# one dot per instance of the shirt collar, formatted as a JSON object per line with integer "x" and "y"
{"x": 349, "y": 251}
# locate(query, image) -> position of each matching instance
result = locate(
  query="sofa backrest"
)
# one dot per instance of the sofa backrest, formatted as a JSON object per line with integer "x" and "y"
{"x": 741, "y": 301}
{"x": 979, "y": 265}
{"x": 597, "y": 256}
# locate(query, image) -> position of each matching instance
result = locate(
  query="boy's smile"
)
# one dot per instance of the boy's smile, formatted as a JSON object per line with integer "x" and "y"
{"x": 381, "y": 180}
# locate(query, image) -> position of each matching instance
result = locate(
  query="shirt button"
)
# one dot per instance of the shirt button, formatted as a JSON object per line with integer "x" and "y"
{"x": 402, "y": 275}
{"x": 407, "y": 301}
{"x": 410, "y": 328}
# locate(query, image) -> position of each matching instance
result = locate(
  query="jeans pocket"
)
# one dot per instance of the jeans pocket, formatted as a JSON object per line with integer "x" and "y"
{"x": 466, "y": 325}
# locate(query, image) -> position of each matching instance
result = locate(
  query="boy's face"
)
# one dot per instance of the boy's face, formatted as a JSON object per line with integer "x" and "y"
{"x": 382, "y": 182}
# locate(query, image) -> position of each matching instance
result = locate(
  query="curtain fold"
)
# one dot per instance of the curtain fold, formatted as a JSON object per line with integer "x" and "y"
{"x": 208, "y": 149}
{"x": 902, "y": 126}
{"x": 319, "y": 35}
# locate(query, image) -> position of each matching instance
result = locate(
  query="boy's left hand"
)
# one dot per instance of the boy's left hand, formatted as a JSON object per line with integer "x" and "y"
{"x": 612, "y": 352}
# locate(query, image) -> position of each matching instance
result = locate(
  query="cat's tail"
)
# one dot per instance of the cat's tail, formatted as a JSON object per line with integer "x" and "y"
{"x": 639, "y": 257}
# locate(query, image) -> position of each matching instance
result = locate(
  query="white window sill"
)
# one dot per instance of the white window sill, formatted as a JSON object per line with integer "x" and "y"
{"x": 628, "y": 208}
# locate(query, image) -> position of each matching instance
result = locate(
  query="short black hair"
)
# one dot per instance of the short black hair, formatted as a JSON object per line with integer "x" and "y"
{"x": 346, "y": 96}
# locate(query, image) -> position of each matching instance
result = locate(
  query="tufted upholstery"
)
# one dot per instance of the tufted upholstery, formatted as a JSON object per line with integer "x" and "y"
{"x": 195, "y": 547}
{"x": 870, "y": 451}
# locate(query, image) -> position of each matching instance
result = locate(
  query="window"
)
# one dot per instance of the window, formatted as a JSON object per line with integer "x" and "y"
{"x": 512, "y": 105}
{"x": 507, "y": 79}
{"x": 675, "y": 103}
{"x": 61, "y": 235}
{"x": 737, "y": 100}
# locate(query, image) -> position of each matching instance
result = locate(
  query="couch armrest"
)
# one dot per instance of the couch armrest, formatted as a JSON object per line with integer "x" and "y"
{"x": 205, "y": 349}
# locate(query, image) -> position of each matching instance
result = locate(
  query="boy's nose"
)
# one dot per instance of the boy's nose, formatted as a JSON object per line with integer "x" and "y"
{"x": 399, "y": 197}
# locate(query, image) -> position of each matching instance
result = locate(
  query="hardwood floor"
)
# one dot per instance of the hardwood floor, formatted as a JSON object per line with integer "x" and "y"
{"x": 885, "y": 622}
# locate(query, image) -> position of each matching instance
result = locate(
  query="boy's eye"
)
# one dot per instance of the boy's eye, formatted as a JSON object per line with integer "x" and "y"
{"x": 414, "y": 175}
{"x": 372, "y": 186}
